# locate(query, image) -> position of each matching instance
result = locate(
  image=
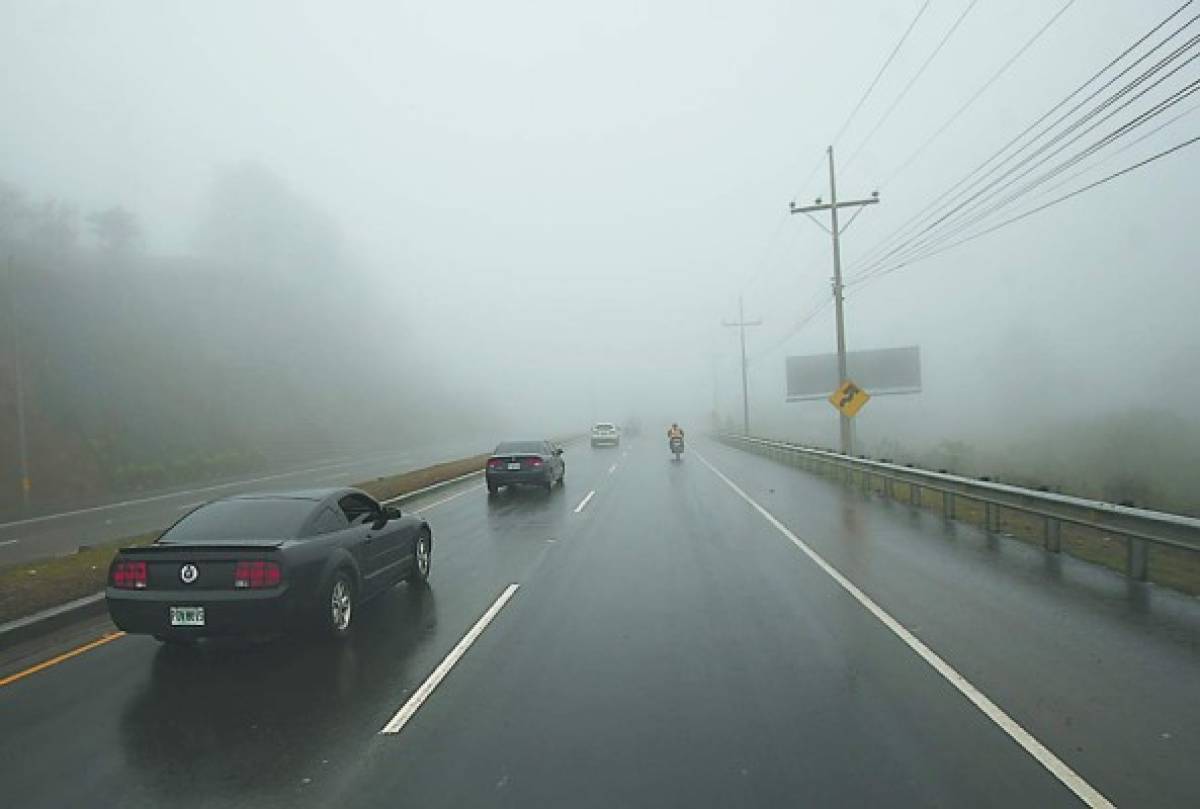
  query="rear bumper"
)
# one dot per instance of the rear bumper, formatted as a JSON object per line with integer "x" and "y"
{"x": 606, "y": 440}
{"x": 504, "y": 477}
{"x": 246, "y": 612}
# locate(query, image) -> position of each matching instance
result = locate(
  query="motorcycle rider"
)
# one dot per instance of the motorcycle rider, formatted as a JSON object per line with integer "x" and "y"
{"x": 673, "y": 432}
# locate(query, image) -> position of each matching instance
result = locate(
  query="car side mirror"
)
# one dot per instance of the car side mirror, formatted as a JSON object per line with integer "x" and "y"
{"x": 393, "y": 512}
{"x": 558, "y": 451}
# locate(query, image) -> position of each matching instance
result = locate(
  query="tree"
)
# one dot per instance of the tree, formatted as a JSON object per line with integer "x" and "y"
{"x": 116, "y": 229}
{"x": 54, "y": 228}
{"x": 14, "y": 212}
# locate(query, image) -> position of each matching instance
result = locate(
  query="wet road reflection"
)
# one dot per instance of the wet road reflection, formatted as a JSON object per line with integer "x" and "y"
{"x": 228, "y": 719}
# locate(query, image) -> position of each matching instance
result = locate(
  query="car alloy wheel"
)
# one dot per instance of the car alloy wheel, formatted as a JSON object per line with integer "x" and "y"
{"x": 422, "y": 560}
{"x": 341, "y": 605}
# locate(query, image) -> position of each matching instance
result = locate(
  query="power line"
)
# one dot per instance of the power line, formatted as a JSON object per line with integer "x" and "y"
{"x": 952, "y": 206}
{"x": 1089, "y": 187}
{"x": 928, "y": 237}
{"x": 811, "y": 315}
{"x": 879, "y": 75}
{"x": 863, "y": 98}
{"x": 1121, "y": 151}
{"x": 975, "y": 176}
{"x": 920, "y": 71}
{"x": 975, "y": 97}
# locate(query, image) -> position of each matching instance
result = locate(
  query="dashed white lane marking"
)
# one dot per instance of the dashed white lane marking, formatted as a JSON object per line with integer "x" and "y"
{"x": 583, "y": 503}
{"x": 9, "y": 542}
{"x": 612, "y": 469}
{"x": 421, "y": 694}
{"x": 454, "y": 496}
{"x": 1059, "y": 769}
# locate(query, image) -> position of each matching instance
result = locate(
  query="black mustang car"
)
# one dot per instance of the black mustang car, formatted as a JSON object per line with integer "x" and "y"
{"x": 261, "y": 564}
{"x": 525, "y": 463}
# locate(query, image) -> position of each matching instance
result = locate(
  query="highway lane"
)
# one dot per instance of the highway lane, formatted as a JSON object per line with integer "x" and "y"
{"x": 63, "y": 532}
{"x": 667, "y": 646}
{"x": 246, "y": 725}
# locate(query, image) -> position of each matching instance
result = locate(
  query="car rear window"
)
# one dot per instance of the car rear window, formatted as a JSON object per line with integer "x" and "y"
{"x": 519, "y": 447}
{"x": 233, "y": 520}
{"x": 605, "y": 426}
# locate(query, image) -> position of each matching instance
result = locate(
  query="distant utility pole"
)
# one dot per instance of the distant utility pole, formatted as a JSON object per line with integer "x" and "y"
{"x": 847, "y": 435}
{"x": 741, "y": 324}
{"x": 19, "y": 385}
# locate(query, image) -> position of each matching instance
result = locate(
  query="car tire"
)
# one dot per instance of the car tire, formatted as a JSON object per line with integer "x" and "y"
{"x": 336, "y": 606}
{"x": 422, "y": 560}
{"x": 493, "y": 489}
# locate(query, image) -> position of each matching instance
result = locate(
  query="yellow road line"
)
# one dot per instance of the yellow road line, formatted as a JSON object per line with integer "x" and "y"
{"x": 54, "y": 661}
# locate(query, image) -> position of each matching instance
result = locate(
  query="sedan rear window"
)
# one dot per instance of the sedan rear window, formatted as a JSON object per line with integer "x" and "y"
{"x": 233, "y": 520}
{"x": 605, "y": 427}
{"x": 520, "y": 448}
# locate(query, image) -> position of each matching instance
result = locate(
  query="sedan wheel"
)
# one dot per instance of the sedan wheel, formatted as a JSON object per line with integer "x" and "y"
{"x": 340, "y": 606}
{"x": 422, "y": 560}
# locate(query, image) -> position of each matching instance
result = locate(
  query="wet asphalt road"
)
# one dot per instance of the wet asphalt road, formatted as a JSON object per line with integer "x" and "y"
{"x": 95, "y": 523}
{"x": 667, "y": 646}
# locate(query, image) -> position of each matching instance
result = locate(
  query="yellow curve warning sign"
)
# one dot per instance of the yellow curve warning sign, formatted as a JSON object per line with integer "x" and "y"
{"x": 849, "y": 398}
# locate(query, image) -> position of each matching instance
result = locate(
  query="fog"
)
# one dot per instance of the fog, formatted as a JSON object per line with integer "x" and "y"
{"x": 291, "y": 230}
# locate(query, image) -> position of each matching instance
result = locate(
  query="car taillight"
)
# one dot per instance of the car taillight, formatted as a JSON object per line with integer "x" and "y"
{"x": 129, "y": 575}
{"x": 494, "y": 463}
{"x": 535, "y": 461}
{"x": 253, "y": 575}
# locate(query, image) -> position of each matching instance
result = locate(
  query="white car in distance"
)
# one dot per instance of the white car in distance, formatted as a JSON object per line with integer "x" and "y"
{"x": 605, "y": 434}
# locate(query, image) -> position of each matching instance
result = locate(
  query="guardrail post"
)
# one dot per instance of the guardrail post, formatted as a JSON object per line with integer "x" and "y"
{"x": 914, "y": 494}
{"x": 948, "y": 510}
{"x": 989, "y": 518}
{"x": 1053, "y": 535}
{"x": 1137, "y": 559}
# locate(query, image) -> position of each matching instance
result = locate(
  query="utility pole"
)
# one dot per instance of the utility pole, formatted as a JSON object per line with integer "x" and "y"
{"x": 19, "y": 385}
{"x": 847, "y": 435}
{"x": 741, "y": 325}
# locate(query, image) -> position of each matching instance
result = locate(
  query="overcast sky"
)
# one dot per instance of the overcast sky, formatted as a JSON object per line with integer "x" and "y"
{"x": 572, "y": 195}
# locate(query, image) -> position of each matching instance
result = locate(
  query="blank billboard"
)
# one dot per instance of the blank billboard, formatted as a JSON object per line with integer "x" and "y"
{"x": 879, "y": 372}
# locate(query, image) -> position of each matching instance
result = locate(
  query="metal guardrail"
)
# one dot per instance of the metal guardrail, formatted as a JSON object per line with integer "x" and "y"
{"x": 1140, "y": 527}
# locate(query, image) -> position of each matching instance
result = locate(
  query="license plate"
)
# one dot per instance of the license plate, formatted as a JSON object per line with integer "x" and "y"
{"x": 514, "y": 466}
{"x": 187, "y": 616}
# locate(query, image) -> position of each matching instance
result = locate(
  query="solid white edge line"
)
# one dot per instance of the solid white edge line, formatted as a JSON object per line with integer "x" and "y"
{"x": 454, "y": 496}
{"x": 583, "y": 503}
{"x": 421, "y": 694}
{"x": 1057, "y": 767}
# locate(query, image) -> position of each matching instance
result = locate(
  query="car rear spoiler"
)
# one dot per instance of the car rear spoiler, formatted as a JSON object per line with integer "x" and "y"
{"x": 236, "y": 545}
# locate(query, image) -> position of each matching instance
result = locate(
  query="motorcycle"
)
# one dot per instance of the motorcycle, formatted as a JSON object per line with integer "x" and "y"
{"x": 677, "y": 447}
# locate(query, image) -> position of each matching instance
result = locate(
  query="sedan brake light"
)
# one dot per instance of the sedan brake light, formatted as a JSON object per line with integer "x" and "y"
{"x": 129, "y": 575}
{"x": 494, "y": 463}
{"x": 253, "y": 575}
{"x": 535, "y": 461}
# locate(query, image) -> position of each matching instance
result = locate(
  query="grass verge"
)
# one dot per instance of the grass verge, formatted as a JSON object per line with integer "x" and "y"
{"x": 29, "y": 587}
